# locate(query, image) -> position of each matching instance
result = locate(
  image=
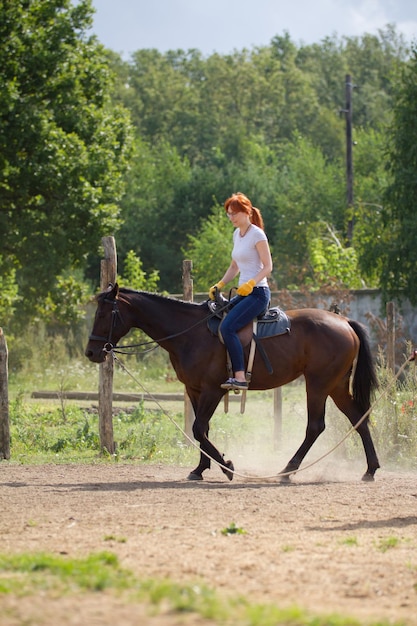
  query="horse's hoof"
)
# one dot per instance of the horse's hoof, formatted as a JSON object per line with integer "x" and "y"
{"x": 230, "y": 471}
{"x": 194, "y": 476}
{"x": 285, "y": 475}
{"x": 368, "y": 478}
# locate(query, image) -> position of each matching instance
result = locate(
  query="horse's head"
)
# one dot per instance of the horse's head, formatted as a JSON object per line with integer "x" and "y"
{"x": 108, "y": 325}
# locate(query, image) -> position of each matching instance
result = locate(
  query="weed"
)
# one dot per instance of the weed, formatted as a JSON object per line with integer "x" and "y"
{"x": 232, "y": 529}
{"x": 114, "y": 538}
{"x": 288, "y": 548}
{"x": 387, "y": 543}
{"x": 349, "y": 541}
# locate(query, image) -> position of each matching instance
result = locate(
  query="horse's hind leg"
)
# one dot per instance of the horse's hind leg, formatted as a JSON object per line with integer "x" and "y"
{"x": 349, "y": 407}
{"x": 316, "y": 406}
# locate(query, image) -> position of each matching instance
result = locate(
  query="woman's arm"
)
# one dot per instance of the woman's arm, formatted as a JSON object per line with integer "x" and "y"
{"x": 266, "y": 260}
{"x": 231, "y": 272}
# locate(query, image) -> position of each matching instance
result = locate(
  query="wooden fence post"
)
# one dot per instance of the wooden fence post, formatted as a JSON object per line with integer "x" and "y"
{"x": 187, "y": 288}
{"x": 391, "y": 337}
{"x": 108, "y": 275}
{"x": 4, "y": 399}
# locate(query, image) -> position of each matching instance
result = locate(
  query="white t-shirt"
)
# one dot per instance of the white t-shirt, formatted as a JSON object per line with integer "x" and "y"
{"x": 246, "y": 256}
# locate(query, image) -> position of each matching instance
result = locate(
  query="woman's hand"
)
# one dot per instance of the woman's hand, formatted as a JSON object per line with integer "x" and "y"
{"x": 212, "y": 290}
{"x": 246, "y": 288}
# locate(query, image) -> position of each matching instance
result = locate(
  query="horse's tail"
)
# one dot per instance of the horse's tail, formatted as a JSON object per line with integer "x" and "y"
{"x": 365, "y": 380}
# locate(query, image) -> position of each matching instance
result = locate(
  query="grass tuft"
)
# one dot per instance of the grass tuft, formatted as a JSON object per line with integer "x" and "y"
{"x": 29, "y": 574}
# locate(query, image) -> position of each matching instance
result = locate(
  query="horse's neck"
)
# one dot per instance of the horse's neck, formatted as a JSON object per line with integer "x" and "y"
{"x": 160, "y": 317}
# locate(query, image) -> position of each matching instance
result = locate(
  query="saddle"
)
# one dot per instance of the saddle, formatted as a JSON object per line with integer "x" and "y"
{"x": 272, "y": 323}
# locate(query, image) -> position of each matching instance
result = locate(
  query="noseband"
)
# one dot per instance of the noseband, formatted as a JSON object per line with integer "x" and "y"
{"x": 108, "y": 346}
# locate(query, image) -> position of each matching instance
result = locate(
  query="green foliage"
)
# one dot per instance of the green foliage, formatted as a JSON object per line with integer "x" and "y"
{"x": 210, "y": 250}
{"x": 64, "y": 306}
{"x": 399, "y": 256}
{"x": 309, "y": 189}
{"x": 69, "y": 433}
{"x": 27, "y": 573}
{"x": 153, "y": 226}
{"x": 57, "y": 432}
{"x": 9, "y": 291}
{"x": 332, "y": 264}
{"x": 263, "y": 121}
{"x": 135, "y": 277}
{"x": 395, "y": 423}
{"x": 64, "y": 147}
{"x": 371, "y": 179}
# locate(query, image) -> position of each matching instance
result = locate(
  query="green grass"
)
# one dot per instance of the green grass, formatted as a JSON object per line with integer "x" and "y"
{"x": 49, "y": 432}
{"x": 349, "y": 541}
{"x": 60, "y": 431}
{"x": 41, "y": 434}
{"x": 388, "y": 543}
{"x": 30, "y": 574}
{"x": 24, "y": 574}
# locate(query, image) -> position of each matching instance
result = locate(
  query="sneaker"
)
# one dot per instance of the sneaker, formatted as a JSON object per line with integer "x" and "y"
{"x": 232, "y": 383}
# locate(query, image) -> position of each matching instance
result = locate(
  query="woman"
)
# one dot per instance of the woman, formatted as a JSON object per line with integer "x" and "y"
{"x": 251, "y": 258}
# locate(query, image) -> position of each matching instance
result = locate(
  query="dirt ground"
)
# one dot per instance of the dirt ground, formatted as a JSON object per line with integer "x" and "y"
{"x": 328, "y": 543}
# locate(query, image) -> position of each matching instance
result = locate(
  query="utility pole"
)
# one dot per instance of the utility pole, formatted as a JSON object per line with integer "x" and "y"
{"x": 349, "y": 160}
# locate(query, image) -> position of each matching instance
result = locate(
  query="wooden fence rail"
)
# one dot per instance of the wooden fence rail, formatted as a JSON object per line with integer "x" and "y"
{"x": 93, "y": 396}
{"x": 116, "y": 397}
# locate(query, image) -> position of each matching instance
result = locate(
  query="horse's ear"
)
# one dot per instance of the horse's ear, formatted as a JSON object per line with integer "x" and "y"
{"x": 113, "y": 290}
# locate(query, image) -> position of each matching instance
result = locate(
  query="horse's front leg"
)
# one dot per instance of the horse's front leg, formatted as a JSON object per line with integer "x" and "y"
{"x": 204, "y": 407}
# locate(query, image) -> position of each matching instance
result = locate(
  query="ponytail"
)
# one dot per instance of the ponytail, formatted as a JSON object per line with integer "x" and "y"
{"x": 256, "y": 218}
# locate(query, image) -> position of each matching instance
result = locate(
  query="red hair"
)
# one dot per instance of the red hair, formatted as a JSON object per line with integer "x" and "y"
{"x": 239, "y": 202}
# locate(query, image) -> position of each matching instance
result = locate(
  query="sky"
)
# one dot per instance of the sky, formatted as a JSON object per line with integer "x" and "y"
{"x": 226, "y": 25}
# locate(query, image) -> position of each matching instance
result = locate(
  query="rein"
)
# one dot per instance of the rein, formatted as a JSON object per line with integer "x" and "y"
{"x": 109, "y": 347}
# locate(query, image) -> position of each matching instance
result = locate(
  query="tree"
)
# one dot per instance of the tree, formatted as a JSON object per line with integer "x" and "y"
{"x": 210, "y": 250}
{"x": 155, "y": 220}
{"x": 370, "y": 182}
{"x": 63, "y": 146}
{"x": 134, "y": 277}
{"x": 309, "y": 190}
{"x": 266, "y": 122}
{"x": 399, "y": 254}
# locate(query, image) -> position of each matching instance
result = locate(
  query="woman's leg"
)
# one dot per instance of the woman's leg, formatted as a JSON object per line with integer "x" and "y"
{"x": 243, "y": 311}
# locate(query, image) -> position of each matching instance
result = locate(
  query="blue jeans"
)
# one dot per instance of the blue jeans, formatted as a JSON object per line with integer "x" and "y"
{"x": 243, "y": 310}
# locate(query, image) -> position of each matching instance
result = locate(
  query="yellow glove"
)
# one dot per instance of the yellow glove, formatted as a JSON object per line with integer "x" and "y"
{"x": 246, "y": 288}
{"x": 212, "y": 290}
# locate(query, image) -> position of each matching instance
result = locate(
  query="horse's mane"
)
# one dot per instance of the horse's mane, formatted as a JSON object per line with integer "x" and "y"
{"x": 157, "y": 296}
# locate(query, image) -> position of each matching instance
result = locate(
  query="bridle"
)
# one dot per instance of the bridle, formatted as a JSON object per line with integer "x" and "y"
{"x": 108, "y": 345}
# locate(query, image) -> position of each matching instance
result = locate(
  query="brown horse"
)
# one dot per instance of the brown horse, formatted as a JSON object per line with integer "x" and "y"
{"x": 321, "y": 346}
